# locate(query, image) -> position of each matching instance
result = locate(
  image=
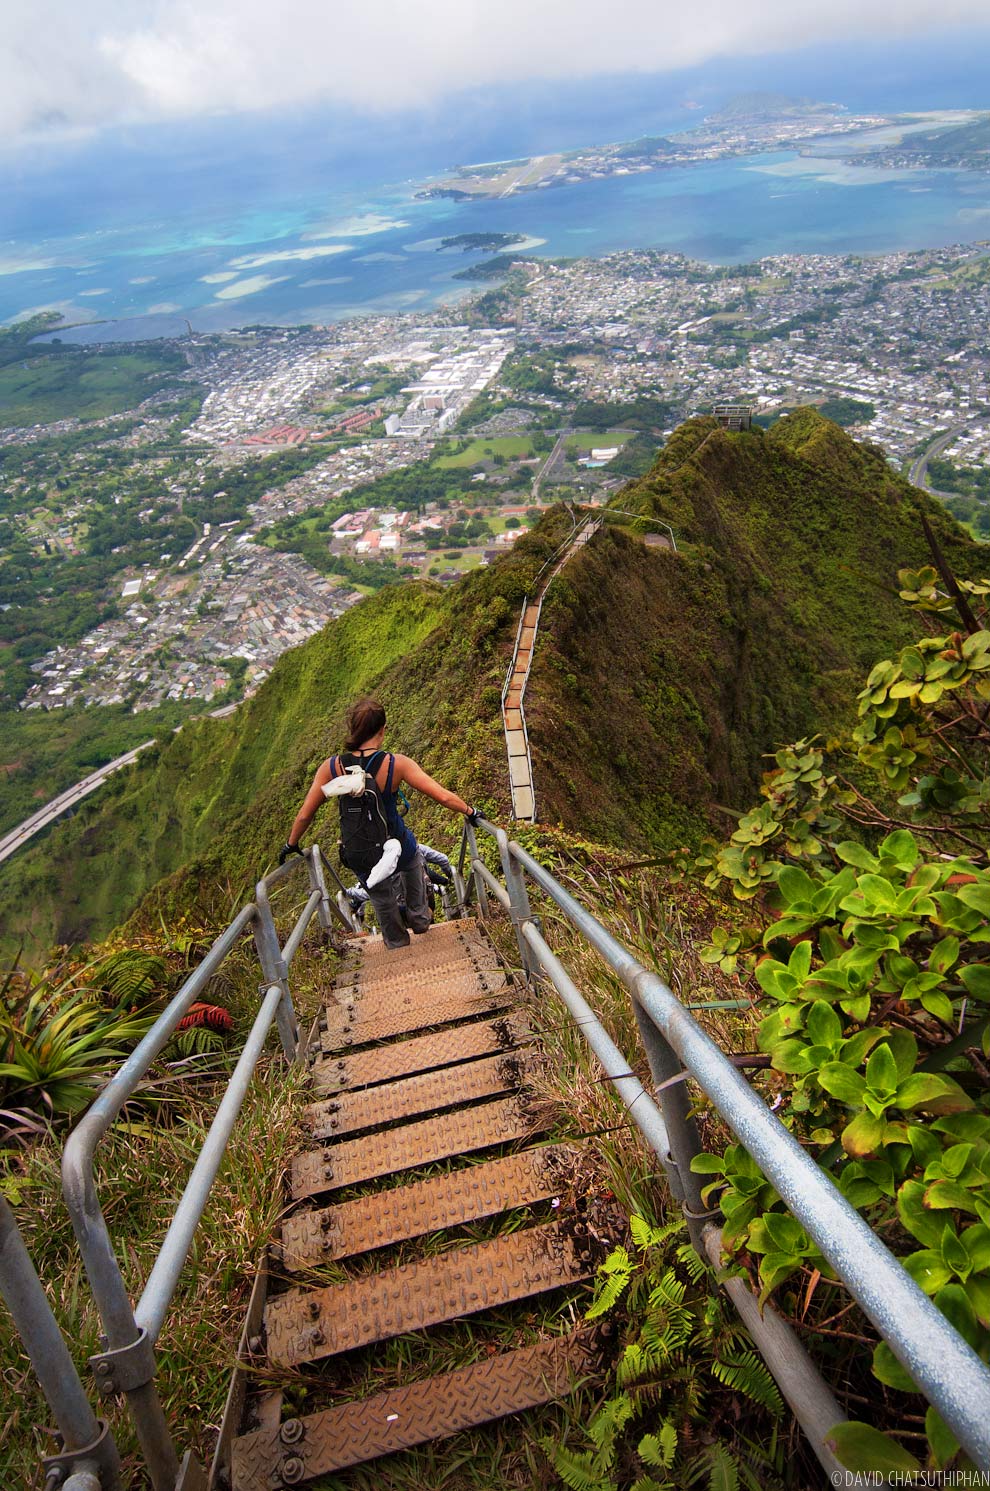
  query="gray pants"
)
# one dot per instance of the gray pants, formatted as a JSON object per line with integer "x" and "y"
{"x": 408, "y": 885}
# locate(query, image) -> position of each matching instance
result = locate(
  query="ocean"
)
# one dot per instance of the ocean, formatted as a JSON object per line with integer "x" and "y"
{"x": 311, "y": 219}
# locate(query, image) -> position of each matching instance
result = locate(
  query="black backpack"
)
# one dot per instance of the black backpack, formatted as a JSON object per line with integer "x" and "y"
{"x": 364, "y": 820}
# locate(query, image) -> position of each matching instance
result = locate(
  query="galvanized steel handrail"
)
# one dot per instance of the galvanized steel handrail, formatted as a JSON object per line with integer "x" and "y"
{"x": 127, "y": 1363}
{"x": 945, "y": 1368}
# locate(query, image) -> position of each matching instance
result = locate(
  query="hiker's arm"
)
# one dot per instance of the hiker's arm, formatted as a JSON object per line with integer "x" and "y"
{"x": 413, "y": 775}
{"x": 314, "y": 799}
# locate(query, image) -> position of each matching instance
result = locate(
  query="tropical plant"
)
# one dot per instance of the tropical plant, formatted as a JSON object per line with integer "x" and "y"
{"x": 875, "y": 985}
{"x": 669, "y": 1421}
{"x": 58, "y": 1043}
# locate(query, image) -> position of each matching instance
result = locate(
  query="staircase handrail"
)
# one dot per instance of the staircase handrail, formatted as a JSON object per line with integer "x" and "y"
{"x": 126, "y": 1364}
{"x": 945, "y": 1368}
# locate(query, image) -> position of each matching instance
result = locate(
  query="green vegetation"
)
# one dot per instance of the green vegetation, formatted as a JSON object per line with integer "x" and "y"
{"x": 847, "y": 412}
{"x": 41, "y": 382}
{"x": 647, "y": 414}
{"x": 212, "y": 804}
{"x": 481, "y": 450}
{"x": 661, "y": 679}
{"x": 867, "y": 866}
{"x": 43, "y": 752}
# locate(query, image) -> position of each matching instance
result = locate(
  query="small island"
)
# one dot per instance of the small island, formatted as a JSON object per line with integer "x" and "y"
{"x": 480, "y": 242}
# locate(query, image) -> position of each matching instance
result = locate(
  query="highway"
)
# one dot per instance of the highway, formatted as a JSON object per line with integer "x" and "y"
{"x": 17, "y": 837}
{"x": 918, "y": 474}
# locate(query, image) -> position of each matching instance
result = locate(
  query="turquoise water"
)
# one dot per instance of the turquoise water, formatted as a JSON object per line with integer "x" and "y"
{"x": 238, "y": 239}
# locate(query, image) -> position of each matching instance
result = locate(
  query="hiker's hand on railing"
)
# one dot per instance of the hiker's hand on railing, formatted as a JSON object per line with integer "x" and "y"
{"x": 473, "y": 817}
{"x": 286, "y": 850}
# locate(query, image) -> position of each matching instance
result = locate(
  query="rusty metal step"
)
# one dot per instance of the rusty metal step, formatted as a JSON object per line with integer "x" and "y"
{"x": 428, "y": 1092}
{"x": 356, "y": 1160}
{"x": 364, "y": 981}
{"x": 353, "y": 1433}
{"x": 398, "y": 1020}
{"x": 308, "y": 1325}
{"x": 421, "y": 1053}
{"x": 394, "y": 1216}
{"x": 412, "y": 991}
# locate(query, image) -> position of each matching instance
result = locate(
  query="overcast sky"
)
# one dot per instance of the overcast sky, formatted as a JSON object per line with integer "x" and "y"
{"x": 97, "y": 62}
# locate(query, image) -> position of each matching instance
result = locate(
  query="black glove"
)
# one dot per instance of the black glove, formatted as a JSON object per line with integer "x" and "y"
{"x": 286, "y": 850}
{"x": 474, "y": 817}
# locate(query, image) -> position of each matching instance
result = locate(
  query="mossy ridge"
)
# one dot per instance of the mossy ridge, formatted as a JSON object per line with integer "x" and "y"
{"x": 655, "y": 697}
{"x": 200, "y": 817}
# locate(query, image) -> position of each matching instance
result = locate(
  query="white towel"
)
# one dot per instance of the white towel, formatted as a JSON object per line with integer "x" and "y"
{"x": 351, "y": 784}
{"x": 386, "y": 865}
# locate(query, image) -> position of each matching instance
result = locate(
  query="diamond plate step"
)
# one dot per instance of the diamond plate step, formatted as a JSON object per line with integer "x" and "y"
{"x": 314, "y": 1237}
{"x": 429, "y": 1092}
{"x": 421, "y": 1053}
{"x": 366, "y": 981}
{"x": 474, "y": 1000}
{"x": 353, "y": 1433}
{"x": 307, "y": 1325}
{"x": 356, "y": 1160}
{"x": 411, "y": 991}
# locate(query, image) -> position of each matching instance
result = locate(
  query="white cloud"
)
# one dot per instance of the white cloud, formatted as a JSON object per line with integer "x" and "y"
{"x": 103, "y": 60}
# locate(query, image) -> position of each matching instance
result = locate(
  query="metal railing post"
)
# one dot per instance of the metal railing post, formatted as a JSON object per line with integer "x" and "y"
{"x": 87, "y": 1445}
{"x": 276, "y": 972}
{"x": 520, "y": 912}
{"x": 317, "y": 881}
{"x": 670, "y": 1091}
{"x": 481, "y": 890}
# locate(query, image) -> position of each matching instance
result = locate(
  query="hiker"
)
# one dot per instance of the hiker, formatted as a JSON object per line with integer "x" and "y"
{"x": 376, "y": 844}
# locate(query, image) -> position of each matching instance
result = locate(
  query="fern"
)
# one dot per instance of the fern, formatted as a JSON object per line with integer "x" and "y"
{"x": 196, "y": 1042}
{"x": 129, "y": 976}
{"x": 748, "y": 1375}
{"x": 581, "y": 1470}
{"x": 611, "y": 1282}
{"x": 658, "y": 1450}
{"x": 609, "y": 1422}
{"x": 645, "y": 1236}
{"x": 724, "y": 1474}
{"x": 694, "y": 1265}
{"x": 667, "y": 1291}
{"x": 647, "y": 1483}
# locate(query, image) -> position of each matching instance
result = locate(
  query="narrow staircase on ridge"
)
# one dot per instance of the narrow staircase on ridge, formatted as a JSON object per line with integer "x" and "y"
{"x": 521, "y": 783}
{"x": 424, "y": 1137}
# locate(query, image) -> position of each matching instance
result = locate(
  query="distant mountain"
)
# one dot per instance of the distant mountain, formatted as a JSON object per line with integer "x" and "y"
{"x": 660, "y": 680}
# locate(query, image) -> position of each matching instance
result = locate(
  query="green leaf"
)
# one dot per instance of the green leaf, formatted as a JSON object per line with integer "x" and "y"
{"x": 823, "y": 1024}
{"x": 976, "y": 976}
{"x": 864, "y": 1135}
{"x": 860, "y": 1447}
{"x": 944, "y": 955}
{"x": 881, "y": 1071}
{"x": 888, "y": 1369}
{"x": 944, "y": 1444}
{"x": 842, "y": 1082}
{"x": 857, "y": 854}
{"x": 659, "y": 1450}
{"x": 978, "y": 1294}
{"x": 976, "y": 897}
{"x": 954, "y": 1255}
{"x": 954, "y": 1303}
{"x": 926, "y": 1090}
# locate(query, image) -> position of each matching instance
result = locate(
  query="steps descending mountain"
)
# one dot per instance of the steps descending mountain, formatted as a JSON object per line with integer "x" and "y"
{"x": 425, "y": 1123}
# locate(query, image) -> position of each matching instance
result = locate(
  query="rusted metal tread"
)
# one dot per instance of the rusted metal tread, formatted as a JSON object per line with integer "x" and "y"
{"x": 308, "y": 1325}
{"x": 421, "y": 1053}
{"x": 356, "y": 1160}
{"x": 448, "y": 964}
{"x": 423, "y": 949}
{"x": 353, "y": 1433}
{"x": 427, "y": 1092}
{"x": 340, "y": 1036}
{"x": 313, "y": 1237}
{"x": 412, "y": 992}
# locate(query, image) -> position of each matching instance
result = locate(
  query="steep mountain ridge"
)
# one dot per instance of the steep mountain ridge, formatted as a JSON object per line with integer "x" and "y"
{"x": 659, "y": 680}
{"x": 652, "y": 699}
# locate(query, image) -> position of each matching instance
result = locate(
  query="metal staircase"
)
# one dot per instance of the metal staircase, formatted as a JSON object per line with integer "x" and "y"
{"x": 395, "y": 1101}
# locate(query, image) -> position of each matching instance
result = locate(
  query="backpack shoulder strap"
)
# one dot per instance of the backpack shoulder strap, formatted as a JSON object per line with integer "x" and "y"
{"x": 391, "y": 769}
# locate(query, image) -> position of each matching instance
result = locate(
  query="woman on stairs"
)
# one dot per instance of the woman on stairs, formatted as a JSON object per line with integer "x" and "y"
{"x": 376, "y": 843}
